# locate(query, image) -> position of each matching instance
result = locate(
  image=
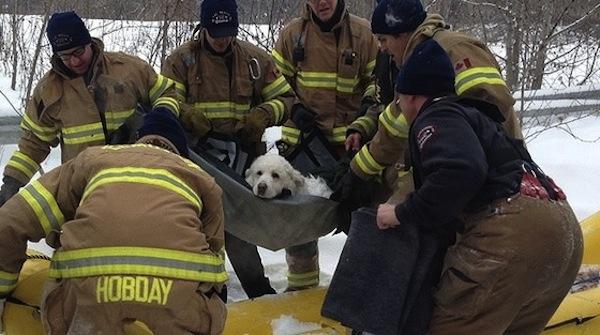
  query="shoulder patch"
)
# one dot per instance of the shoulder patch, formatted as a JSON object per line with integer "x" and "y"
{"x": 424, "y": 135}
{"x": 463, "y": 64}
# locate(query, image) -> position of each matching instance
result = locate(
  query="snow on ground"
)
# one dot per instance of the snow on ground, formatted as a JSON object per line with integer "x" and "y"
{"x": 574, "y": 164}
{"x": 8, "y": 98}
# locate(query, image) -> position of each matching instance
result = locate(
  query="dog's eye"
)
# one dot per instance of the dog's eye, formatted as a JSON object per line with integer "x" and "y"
{"x": 259, "y": 173}
{"x": 276, "y": 175}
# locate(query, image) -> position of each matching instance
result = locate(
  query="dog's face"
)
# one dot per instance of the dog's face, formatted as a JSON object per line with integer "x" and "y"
{"x": 270, "y": 174}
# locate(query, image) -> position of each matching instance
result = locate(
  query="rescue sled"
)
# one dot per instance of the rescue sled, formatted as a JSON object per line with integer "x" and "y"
{"x": 270, "y": 223}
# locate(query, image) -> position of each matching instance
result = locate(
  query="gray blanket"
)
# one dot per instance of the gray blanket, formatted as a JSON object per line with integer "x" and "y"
{"x": 383, "y": 282}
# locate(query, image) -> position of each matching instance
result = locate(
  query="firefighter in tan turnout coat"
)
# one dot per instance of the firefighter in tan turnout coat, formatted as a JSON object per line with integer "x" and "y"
{"x": 229, "y": 88}
{"x": 477, "y": 75}
{"x": 328, "y": 56}
{"x": 82, "y": 100}
{"x": 155, "y": 256}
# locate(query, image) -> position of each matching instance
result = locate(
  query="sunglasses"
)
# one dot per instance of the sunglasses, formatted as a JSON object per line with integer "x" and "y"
{"x": 65, "y": 57}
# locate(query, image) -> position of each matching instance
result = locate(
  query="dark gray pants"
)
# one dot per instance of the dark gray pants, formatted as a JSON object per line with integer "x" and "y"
{"x": 248, "y": 267}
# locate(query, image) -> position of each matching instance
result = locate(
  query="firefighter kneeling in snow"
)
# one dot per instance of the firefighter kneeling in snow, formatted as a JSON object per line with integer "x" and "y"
{"x": 519, "y": 245}
{"x": 138, "y": 231}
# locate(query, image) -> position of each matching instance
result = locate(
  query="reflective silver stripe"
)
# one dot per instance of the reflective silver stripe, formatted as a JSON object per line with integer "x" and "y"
{"x": 138, "y": 260}
{"x": 44, "y": 206}
{"x": 86, "y": 133}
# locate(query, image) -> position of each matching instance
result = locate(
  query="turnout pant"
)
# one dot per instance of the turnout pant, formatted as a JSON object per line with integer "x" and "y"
{"x": 509, "y": 270}
{"x": 108, "y": 304}
{"x": 248, "y": 267}
{"x": 303, "y": 266}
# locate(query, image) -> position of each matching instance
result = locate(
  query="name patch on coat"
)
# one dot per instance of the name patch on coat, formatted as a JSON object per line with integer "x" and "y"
{"x": 149, "y": 290}
{"x": 424, "y": 135}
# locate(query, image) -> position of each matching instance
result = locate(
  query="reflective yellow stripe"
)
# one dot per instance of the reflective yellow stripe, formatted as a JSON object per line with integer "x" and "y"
{"x": 275, "y": 89}
{"x": 46, "y": 134}
{"x": 397, "y": 127}
{"x": 366, "y": 163}
{"x": 370, "y": 91}
{"x": 327, "y": 80}
{"x": 477, "y": 76}
{"x": 8, "y": 281}
{"x": 336, "y": 135}
{"x": 86, "y": 133}
{"x": 139, "y": 261}
{"x": 155, "y": 177}
{"x": 369, "y": 70}
{"x": 367, "y": 124}
{"x": 115, "y": 119}
{"x": 303, "y": 279}
{"x": 223, "y": 109}
{"x": 168, "y": 102}
{"x": 278, "y": 109}
{"x": 284, "y": 66}
{"x": 290, "y": 135}
{"x": 44, "y": 206}
{"x": 160, "y": 86}
{"x": 181, "y": 90}
{"x": 24, "y": 164}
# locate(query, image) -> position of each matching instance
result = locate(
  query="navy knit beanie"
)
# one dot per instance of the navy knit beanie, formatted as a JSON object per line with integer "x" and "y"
{"x": 219, "y": 17}
{"x": 392, "y": 17}
{"x": 66, "y": 30}
{"x": 428, "y": 71}
{"x": 162, "y": 122}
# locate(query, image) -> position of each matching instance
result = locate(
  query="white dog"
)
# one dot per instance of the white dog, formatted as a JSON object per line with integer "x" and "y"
{"x": 271, "y": 174}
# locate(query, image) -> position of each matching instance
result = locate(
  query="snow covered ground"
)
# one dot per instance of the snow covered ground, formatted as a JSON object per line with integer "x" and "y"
{"x": 574, "y": 163}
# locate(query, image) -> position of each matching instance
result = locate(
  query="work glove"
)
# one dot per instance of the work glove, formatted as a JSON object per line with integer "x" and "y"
{"x": 254, "y": 125}
{"x": 10, "y": 187}
{"x": 352, "y": 191}
{"x": 194, "y": 121}
{"x": 365, "y": 105}
{"x": 303, "y": 118}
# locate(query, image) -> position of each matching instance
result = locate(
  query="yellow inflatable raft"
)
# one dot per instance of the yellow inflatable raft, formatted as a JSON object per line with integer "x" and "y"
{"x": 579, "y": 313}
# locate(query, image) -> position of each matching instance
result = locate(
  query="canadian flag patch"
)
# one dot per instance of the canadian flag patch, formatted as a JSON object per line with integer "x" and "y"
{"x": 424, "y": 135}
{"x": 462, "y": 65}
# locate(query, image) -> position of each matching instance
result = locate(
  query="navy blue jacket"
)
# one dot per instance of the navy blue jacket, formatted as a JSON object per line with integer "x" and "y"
{"x": 462, "y": 160}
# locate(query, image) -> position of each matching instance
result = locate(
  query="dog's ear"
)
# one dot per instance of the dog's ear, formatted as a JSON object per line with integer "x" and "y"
{"x": 296, "y": 177}
{"x": 249, "y": 176}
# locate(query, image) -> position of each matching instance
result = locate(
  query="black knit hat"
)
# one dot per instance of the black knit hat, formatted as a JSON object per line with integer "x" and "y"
{"x": 66, "y": 30}
{"x": 219, "y": 17}
{"x": 428, "y": 71}
{"x": 392, "y": 17}
{"x": 162, "y": 122}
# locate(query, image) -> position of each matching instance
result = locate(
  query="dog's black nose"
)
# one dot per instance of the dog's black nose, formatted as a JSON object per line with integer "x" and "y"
{"x": 262, "y": 187}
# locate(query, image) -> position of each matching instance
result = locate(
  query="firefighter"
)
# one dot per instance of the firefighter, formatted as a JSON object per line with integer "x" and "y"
{"x": 82, "y": 101}
{"x": 328, "y": 56}
{"x": 519, "y": 245}
{"x": 400, "y": 26}
{"x": 228, "y": 88}
{"x": 138, "y": 232}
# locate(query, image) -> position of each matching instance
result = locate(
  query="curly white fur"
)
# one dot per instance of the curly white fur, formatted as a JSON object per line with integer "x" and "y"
{"x": 271, "y": 174}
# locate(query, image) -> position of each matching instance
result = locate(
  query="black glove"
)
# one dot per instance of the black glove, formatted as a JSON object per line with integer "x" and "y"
{"x": 365, "y": 105}
{"x": 303, "y": 118}
{"x": 352, "y": 191}
{"x": 10, "y": 187}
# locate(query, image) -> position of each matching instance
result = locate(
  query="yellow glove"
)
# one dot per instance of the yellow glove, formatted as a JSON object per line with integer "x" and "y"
{"x": 194, "y": 121}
